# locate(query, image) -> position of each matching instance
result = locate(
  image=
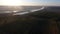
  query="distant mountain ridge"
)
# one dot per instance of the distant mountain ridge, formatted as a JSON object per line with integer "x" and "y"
{"x": 2, "y": 8}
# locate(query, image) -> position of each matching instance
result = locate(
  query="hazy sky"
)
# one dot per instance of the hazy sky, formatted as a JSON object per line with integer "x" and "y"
{"x": 31, "y": 2}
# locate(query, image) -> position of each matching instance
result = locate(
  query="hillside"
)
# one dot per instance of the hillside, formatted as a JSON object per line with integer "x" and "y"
{"x": 39, "y": 22}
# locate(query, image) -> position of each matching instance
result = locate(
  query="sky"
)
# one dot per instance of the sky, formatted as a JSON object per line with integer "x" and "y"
{"x": 31, "y": 2}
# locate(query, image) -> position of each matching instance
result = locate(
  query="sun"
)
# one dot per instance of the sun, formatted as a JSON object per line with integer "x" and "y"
{"x": 11, "y": 2}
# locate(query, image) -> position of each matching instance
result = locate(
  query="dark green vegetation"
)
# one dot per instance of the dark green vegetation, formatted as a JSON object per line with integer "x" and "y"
{"x": 40, "y": 22}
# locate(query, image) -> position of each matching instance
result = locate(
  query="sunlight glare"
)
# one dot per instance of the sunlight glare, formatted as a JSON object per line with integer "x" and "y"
{"x": 12, "y": 2}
